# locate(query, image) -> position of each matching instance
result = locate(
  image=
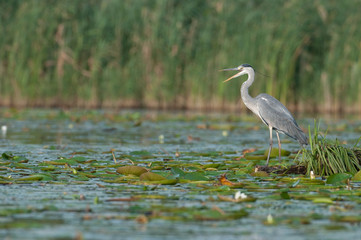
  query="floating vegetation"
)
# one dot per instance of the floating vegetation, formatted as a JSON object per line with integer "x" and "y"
{"x": 123, "y": 180}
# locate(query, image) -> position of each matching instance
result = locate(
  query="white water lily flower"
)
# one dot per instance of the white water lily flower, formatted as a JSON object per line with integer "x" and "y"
{"x": 239, "y": 195}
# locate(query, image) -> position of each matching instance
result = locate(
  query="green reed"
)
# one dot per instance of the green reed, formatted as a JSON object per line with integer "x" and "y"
{"x": 326, "y": 157}
{"x": 168, "y": 53}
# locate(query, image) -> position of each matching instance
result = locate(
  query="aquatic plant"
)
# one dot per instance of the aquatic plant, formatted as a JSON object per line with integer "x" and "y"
{"x": 167, "y": 53}
{"x": 326, "y": 157}
{"x": 84, "y": 180}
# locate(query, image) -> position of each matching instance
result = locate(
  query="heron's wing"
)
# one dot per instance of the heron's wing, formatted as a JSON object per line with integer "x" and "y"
{"x": 275, "y": 114}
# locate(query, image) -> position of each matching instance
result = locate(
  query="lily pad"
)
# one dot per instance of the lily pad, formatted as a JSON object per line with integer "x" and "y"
{"x": 218, "y": 215}
{"x": 255, "y": 157}
{"x": 177, "y": 172}
{"x": 323, "y": 200}
{"x": 195, "y": 176}
{"x": 260, "y": 174}
{"x": 212, "y": 165}
{"x": 62, "y": 162}
{"x": 274, "y": 152}
{"x": 162, "y": 182}
{"x": 36, "y": 177}
{"x": 134, "y": 170}
{"x": 346, "y": 219}
{"x": 338, "y": 178}
{"x": 149, "y": 176}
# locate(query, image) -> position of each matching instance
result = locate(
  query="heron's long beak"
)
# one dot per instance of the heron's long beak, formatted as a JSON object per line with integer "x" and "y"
{"x": 234, "y": 76}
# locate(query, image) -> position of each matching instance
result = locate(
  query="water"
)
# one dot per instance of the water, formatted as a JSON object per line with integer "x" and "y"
{"x": 71, "y": 208}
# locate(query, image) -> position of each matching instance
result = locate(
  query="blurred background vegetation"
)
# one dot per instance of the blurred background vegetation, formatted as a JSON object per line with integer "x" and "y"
{"x": 167, "y": 53}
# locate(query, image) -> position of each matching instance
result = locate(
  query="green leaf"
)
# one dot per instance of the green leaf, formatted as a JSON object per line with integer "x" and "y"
{"x": 260, "y": 174}
{"x": 285, "y": 195}
{"x": 195, "y": 176}
{"x": 274, "y": 152}
{"x": 149, "y": 176}
{"x": 36, "y": 177}
{"x": 134, "y": 170}
{"x": 357, "y": 176}
{"x": 322, "y": 200}
{"x": 48, "y": 168}
{"x": 212, "y": 165}
{"x": 96, "y": 200}
{"x": 338, "y": 178}
{"x": 255, "y": 157}
{"x": 165, "y": 182}
{"x": 62, "y": 162}
{"x": 177, "y": 171}
{"x": 79, "y": 159}
{"x": 7, "y": 155}
{"x": 346, "y": 219}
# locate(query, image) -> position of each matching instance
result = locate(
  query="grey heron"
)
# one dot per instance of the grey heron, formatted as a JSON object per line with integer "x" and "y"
{"x": 271, "y": 111}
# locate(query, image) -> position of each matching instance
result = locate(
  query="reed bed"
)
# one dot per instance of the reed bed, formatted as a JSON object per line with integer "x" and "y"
{"x": 166, "y": 54}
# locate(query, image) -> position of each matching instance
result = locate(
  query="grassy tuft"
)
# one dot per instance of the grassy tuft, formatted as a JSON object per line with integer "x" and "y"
{"x": 326, "y": 157}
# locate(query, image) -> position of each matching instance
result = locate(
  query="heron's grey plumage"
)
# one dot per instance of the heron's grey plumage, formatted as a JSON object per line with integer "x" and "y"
{"x": 271, "y": 111}
{"x": 274, "y": 113}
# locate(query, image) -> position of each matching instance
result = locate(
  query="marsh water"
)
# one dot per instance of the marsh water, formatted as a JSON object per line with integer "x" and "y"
{"x": 59, "y": 179}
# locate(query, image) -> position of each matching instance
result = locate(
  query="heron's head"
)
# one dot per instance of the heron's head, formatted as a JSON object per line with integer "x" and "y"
{"x": 242, "y": 70}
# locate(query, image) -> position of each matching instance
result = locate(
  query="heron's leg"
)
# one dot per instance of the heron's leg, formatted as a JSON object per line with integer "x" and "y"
{"x": 270, "y": 144}
{"x": 279, "y": 146}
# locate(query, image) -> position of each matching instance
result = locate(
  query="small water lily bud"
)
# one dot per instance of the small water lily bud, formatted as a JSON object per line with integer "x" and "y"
{"x": 4, "y": 129}
{"x": 270, "y": 219}
{"x": 161, "y": 139}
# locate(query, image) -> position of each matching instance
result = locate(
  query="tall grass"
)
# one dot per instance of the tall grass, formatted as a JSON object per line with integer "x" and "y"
{"x": 166, "y": 53}
{"x": 327, "y": 157}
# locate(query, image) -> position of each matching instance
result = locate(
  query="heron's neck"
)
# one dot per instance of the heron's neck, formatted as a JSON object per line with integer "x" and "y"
{"x": 247, "y": 99}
